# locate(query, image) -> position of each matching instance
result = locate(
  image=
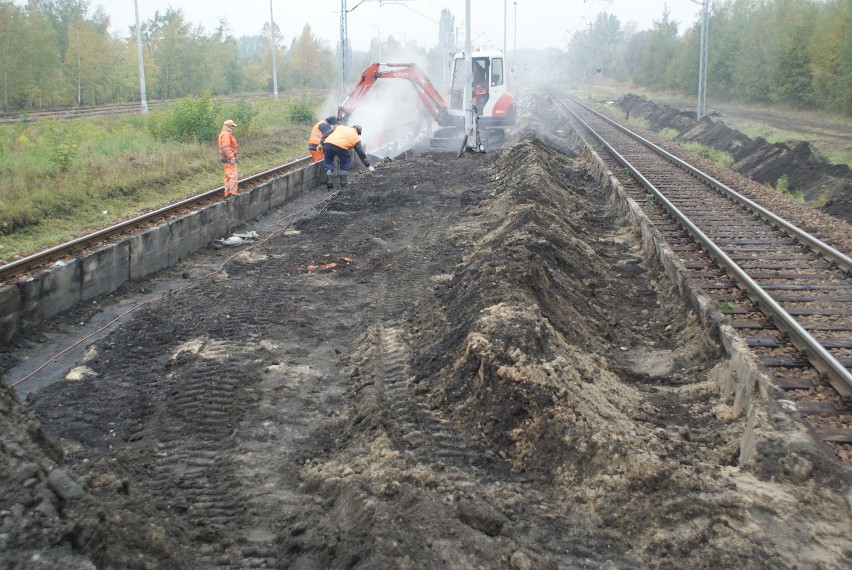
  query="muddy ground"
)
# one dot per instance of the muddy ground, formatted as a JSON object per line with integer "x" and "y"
{"x": 458, "y": 363}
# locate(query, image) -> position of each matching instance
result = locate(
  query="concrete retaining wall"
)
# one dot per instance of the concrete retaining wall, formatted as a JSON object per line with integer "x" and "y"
{"x": 38, "y": 298}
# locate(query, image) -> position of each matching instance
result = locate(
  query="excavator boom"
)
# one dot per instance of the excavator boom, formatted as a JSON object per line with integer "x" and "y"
{"x": 429, "y": 96}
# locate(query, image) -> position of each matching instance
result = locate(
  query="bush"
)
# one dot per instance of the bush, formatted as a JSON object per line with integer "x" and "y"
{"x": 241, "y": 113}
{"x": 63, "y": 146}
{"x": 300, "y": 110}
{"x": 192, "y": 119}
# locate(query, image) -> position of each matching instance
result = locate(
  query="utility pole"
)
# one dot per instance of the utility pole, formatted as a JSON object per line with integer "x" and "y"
{"x": 467, "y": 95}
{"x": 701, "y": 108}
{"x": 274, "y": 49}
{"x": 141, "y": 61}
{"x": 515, "y": 49}
{"x": 505, "y": 24}
{"x": 344, "y": 38}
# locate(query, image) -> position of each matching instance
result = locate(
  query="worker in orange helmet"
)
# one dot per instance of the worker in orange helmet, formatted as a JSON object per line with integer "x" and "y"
{"x": 228, "y": 151}
{"x": 339, "y": 142}
{"x": 321, "y": 128}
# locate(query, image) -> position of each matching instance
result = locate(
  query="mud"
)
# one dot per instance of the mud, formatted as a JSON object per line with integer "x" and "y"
{"x": 828, "y": 186}
{"x": 457, "y": 363}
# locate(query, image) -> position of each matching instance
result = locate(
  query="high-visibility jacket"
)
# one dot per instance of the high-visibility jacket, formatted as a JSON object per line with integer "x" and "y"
{"x": 317, "y": 132}
{"x": 228, "y": 147}
{"x": 343, "y": 137}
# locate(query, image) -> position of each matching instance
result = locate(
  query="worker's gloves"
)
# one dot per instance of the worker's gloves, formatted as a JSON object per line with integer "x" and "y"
{"x": 223, "y": 160}
{"x": 372, "y": 168}
{"x": 319, "y": 148}
{"x": 233, "y": 161}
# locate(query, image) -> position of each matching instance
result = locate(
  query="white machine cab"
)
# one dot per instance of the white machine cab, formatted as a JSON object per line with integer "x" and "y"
{"x": 495, "y": 106}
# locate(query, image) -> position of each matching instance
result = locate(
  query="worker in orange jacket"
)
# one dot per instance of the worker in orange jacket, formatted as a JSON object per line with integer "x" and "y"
{"x": 321, "y": 128}
{"x": 228, "y": 151}
{"x": 339, "y": 142}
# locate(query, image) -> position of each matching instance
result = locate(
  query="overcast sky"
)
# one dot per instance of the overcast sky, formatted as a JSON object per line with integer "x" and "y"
{"x": 540, "y": 23}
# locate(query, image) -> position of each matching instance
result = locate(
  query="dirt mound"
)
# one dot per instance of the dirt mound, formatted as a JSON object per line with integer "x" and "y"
{"x": 806, "y": 171}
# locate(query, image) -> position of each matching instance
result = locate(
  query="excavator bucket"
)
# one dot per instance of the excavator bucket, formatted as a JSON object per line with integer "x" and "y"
{"x": 448, "y": 138}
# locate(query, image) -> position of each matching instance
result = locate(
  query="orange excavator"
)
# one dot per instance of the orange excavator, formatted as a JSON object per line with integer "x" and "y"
{"x": 492, "y": 106}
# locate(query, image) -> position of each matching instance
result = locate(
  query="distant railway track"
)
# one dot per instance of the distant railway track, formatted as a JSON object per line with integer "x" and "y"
{"x": 68, "y": 113}
{"x": 74, "y": 112}
{"x": 42, "y": 259}
{"x": 785, "y": 291}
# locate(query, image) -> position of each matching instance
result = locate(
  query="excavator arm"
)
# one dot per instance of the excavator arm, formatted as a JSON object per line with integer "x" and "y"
{"x": 429, "y": 96}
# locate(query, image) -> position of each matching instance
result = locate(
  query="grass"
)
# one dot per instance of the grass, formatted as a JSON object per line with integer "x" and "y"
{"x": 720, "y": 157}
{"x": 668, "y": 133}
{"x": 782, "y": 186}
{"x": 771, "y": 134}
{"x": 837, "y": 156}
{"x": 65, "y": 179}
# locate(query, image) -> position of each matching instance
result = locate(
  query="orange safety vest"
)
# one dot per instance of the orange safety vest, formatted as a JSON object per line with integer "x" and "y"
{"x": 343, "y": 137}
{"x": 316, "y": 136}
{"x": 228, "y": 147}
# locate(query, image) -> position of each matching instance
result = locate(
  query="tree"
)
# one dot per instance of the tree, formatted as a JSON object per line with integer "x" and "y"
{"x": 181, "y": 55}
{"x": 11, "y": 20}
{"x": 830, "y": 51}
{"x": 38, "y": 66}
{"x": 311, "y": 63}
{"x": 89, "y": 60}
{"x": 653, "y": 68}
{"x": 226, "y": 75}
{"x": 608, "y": 45}
{"x": 447, "y": 32}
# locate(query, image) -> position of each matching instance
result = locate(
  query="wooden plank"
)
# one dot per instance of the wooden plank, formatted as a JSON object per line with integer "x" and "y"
{"x": 792, "y": 383}
{"x": 834, "y": 435}
{"x": 784, "y": 361}
{"x": 817, "y": 408}
{"x": 764, "y": 342}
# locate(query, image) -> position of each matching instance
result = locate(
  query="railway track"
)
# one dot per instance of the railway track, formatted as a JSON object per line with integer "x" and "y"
{"x": 785, "y": 291}
{"x": 40, "y": 260}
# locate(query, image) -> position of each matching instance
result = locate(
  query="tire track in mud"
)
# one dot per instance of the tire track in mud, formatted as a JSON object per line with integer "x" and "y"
{"x": 205, "y": 383}
{"x": 415, "y": 428}
{"x": 184, "y": 472}
{"x": 195, "y": 473}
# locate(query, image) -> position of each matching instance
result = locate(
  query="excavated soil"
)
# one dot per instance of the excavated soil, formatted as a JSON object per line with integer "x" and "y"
{"x": 809, "y": 174}
{"x": 458, "y": 363}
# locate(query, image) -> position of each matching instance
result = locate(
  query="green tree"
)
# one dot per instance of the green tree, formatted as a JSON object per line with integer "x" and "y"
{"x": 181, "y": 60}
{"x": 38, "y": 65}
{"x": 653, "y": 70}
{"x": 225, "y": 73}
{"x": 608, "y": 46}
{"x": 310, "y": 62}
{"x": 12, "y": 20}
{"x": 789, "y": 70}
{"x": 90, "y": 60}
{"x": 830, "y": 54}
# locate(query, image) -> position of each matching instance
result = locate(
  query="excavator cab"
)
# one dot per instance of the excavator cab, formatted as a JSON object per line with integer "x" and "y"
{"x": 495, "y": 106}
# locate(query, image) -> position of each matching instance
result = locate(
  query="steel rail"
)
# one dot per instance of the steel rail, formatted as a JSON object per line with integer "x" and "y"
{"x": 837, "y": 374}
{"x": 44, "y": 257}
